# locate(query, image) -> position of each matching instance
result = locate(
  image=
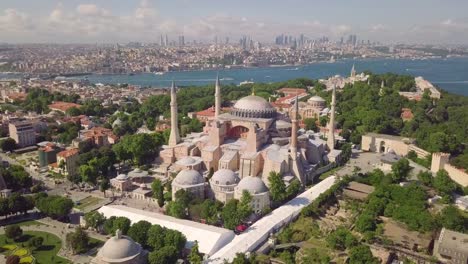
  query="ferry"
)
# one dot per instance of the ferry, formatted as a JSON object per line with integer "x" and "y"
{"x": 159, "y": 73}
{"x": 245, "y": 82}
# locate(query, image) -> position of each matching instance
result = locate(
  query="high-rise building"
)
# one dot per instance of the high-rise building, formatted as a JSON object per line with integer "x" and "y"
{"x": 181, "y": 41}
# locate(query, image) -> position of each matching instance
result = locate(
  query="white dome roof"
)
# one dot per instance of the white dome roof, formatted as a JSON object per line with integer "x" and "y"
{"x": 189, "y": 177}
{"x": 122, "y": 177}
{"x": 316, "y": 98}
{"x": 253, "y": 185}
{"x": 253, "y": 102}
{"x": 188, "y": 161}
{"x": 224, "y": 177}
{"x": 118, "y": 249}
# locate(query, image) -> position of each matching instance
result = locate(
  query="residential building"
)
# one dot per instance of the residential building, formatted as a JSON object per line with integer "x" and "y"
{"x": 23, "y": 133}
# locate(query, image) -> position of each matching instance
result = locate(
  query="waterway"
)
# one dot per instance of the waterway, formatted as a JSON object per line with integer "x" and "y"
{"x": 449, "y": 74}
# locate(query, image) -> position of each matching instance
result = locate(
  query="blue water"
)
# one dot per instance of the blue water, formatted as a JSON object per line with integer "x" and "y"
{"x": 449, "y": 74}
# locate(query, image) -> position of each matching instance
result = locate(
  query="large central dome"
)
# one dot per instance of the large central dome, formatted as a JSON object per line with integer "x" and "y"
{"x": 253, "y": 106}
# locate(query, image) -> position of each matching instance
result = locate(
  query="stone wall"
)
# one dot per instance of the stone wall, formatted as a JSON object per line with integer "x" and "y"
{"x": 440, "y": 161}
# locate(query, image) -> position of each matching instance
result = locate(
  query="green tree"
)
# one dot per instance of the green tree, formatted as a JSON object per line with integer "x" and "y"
{"x": 73, "y": 111}
{"x": 36, "y": 242}
{"x": 362, "y": 254}
{"x": 139, "y": 232}
{"x": 450, "y": 217}
{"x": 195, "y": 257}
{"x": 13, "y": 232}
{"x": 164, "y": 255}
{"x": 366, "y": 222}
{"x": 88, "y": 173}
{"x": 425, "y": 177}
{"x": 155, "y": 238}
{"x": 277, "y": 187}
{"x": 8, "y": 144}
{"x": 341, "y": 239}
{"x": 104, "y": 185}
{"x": 230, "y": 214}
{"x": 310, "y": 124}
{"x": 444, "y": 185}
{"x": 400, "y": 170}
{"x": 244, "y": 207}
{"x": 54, "y": 206}
{"x": 78, "y": 241}
{"x": 158, "y": 191}
{"x": 121, "y": 223}
{"x": 94, "y": 219}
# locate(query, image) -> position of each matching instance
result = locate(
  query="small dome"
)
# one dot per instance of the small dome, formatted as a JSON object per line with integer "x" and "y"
{"x": 122, "y": 177}
{"x": 118, "y": 249}
{"x": 316, "y": 98}
{"x": 189, "y": 177}
{"x": 138, "y": 173}
{"x": 186, "y": 161}
{"x": 253, "y": 185}
{"x": 253, "y": 102}
{"x": 224, "y": 177}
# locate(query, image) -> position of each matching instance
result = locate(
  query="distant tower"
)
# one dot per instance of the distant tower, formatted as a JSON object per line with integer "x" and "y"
{"x": 353, "y": 72}
{"x": 382, "y": 85}
{"x": 217, "y": 97}
{"x": 331, "y": 125}
{"x": 294, "y": 128}
{"x": 174, "y": 138}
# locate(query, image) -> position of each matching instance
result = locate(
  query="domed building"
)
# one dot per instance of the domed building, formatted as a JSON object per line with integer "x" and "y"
{"x": 223, "y": 183}
{"x": 312, "y": 108}
{"x": 121, "y": 183}
{"x": 259, "y": 191}
{"x": 120, "y": 249}
{"x": 236, "y": 146}
{"x": 253, "y": 106}
{"x": 191, "y": 181}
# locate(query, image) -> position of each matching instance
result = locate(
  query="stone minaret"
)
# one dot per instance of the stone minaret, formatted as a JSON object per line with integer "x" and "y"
{"x": 294, "y": 128}
{"x": 174, "y": 138}
{"x": 353, "y": 72}
{"x": 331, "y": 125}
{"x": 217, "y": 97}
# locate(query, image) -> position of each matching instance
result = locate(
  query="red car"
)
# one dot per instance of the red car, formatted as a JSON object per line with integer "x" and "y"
{"x": 240, "y": 228}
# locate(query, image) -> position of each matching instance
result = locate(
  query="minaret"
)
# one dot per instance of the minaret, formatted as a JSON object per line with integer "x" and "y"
{"x": 331, "y": 125}
{"x": 174, "y": 138}
{"x": 294, "y": 128}
{"x": 381, "y": 93}
{"x": 217, "y": 97}
{"x": 353, "y": 71}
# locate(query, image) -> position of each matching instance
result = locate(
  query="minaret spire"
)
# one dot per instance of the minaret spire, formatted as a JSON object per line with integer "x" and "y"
{"x": 174, "y": 138}
{"x": 294, "y": 127}
{"x": 217, "y": 97}
{"x": 331, "y": 125}
{"x": 353, "y": 71}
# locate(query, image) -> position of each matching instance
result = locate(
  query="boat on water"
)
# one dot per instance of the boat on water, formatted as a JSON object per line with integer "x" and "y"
{"x": 245, "y": 82}
{"x": 159, "y": 73}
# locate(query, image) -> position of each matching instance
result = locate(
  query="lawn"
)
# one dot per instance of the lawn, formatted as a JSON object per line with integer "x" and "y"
{"x": 46, "y": 254}
{"x": 88, "y": 201}
{"x": 29, "y": 223}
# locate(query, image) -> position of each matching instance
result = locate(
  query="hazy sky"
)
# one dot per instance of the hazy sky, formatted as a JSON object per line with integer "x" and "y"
{"x": 91, "y": 21}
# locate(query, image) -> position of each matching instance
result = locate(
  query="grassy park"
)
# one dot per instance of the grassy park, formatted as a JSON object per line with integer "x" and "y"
{"x": 88, "y": 201}
{"x": 47, "y": 253}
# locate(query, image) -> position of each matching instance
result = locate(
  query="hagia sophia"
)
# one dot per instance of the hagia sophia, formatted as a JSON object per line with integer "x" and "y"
{"x": 243, "y": 146}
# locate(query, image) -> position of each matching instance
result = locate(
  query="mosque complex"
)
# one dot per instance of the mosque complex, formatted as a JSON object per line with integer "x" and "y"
{"x": 242, "y": 147}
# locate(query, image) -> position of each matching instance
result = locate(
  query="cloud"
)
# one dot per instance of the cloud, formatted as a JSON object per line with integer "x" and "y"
{"x": 14, "y": 21}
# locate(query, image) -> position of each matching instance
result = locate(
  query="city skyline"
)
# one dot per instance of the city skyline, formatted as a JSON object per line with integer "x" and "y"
{"x": 100, "y": 21}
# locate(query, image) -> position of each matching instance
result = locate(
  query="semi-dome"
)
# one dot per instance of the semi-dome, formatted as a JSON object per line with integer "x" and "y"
{"x": 224, "y": 177}
{"x": 189, "y": 177}
{"x": 254, "y": 107}
{"x": 122, "y": 177}
{"x": 119, "y": 249}
{"x": 253, "y": 185}
{"x": 316, "y": 98}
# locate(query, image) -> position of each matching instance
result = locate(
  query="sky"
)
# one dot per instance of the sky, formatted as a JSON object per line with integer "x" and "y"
{"x": 112, "y": 21}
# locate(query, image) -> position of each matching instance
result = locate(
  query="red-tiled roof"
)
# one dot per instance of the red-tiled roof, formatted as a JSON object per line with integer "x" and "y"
{"x": 63, "y": 106}
{"x": 68, "y": 153}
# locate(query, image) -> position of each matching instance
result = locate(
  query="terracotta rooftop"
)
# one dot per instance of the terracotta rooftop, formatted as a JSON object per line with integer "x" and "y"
{"x": 68, "y": 153}
{"x": 63, "y": 106}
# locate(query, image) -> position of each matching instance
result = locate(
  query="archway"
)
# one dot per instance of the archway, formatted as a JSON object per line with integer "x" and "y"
{"x": 382, "y": 147}
{"x": 238, "y": 132}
